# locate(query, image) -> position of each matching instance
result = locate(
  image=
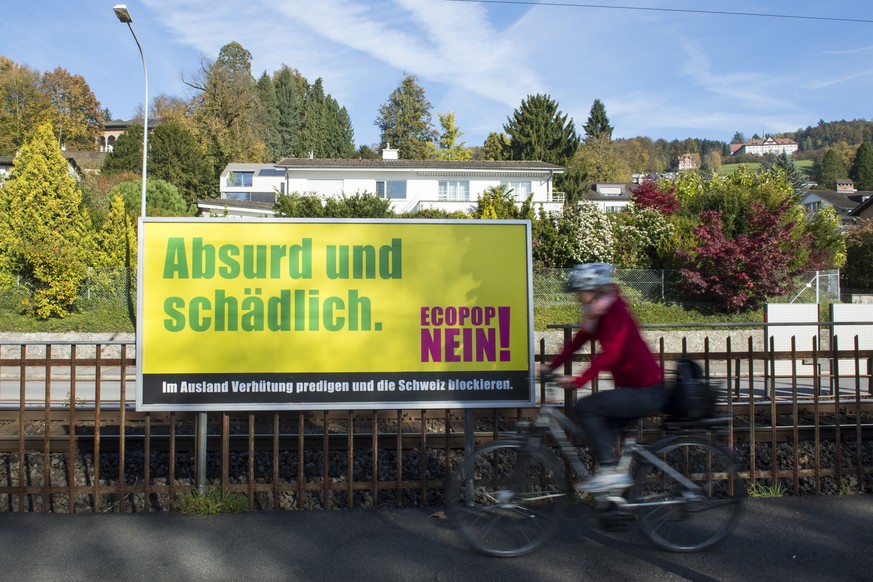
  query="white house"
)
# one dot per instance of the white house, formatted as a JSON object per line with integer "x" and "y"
{"x": 609, "y": 197}
{"x": 411, "y": 185}
{"x": 768, "y": 145}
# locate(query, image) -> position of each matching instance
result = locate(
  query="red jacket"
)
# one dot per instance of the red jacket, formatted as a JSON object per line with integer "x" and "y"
{"x": 623, "y": 352}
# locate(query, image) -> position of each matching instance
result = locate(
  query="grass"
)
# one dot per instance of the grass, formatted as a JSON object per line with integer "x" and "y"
{"x": 212, "y": 502}
{"x": 804, "y": 166}
{"x": 759, "y": 490}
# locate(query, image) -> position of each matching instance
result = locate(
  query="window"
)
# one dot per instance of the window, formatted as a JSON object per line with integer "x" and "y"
{"x": 240, "y": 179}
{"x": 238, "y": 195}
{"x": 454, "y": 190}
{"x": 391, "y": 188}
{"x": 520, "y": 190}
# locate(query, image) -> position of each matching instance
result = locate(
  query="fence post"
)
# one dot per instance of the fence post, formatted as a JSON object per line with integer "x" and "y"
{"x": 200, "y": 452}
{"x": 663, "y": 287}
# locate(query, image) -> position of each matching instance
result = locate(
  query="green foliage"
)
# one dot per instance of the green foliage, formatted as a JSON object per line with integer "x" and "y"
{"x": 270, "y": 117}
{"x": 862, "y": 167}
{"x": 496, "y": 147}
{"x": 789, "y": 170}
{"x": 538, "y": 130}
{"x": 162, "y": 199}
{"x": 175, "y": 156}
{"x": 358, "y": 205}
{"x": 126, "y": 155}
{"x": 597, "y": 125}
{"x": 405, "y": 121}
{"x": 643, "y": 238}
{"x": 826, "y": 240}
{"x": 831, "y": 168}
{"x": 857, "y": 273}
{"x": 447, "y": 146}
{"x": 213, "y": 501}
{"x": 499, "y": 202}
{"x": 762, "y": 490}
{"x": 44, "y": 236}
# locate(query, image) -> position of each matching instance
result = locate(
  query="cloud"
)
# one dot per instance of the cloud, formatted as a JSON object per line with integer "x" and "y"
{"x": 832, "y": 82}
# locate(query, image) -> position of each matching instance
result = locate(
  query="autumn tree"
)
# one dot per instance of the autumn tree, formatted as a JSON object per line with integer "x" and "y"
{"x": 405, "y": 121}
{"x": 43, "y": 233}
{"x": 76, "y": 114}
{"x": 539, "y": 131}
{"x": 22, "y": 105}
{"x": 599, "y": 161}
{"x": 448, "y": 146}
{"x": 228, "y": 110}
{"x": 660, "y": 196}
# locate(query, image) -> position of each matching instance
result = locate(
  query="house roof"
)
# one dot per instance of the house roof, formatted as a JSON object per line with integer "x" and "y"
{"x": 863, "y": 206}
{"x": 841, "y": 201}
{"x": 380, "y": 164}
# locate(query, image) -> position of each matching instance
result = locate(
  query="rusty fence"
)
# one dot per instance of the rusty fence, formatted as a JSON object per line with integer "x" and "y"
{"x": 72, "y": 441}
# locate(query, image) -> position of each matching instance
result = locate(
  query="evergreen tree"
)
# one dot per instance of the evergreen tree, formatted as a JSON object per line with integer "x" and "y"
{"x": 795, "y": 178}
{"x": 496, "y": 147}
{"x": 126, "y": 156}
{"x": 538, "y": 131}
{"x": 598, "y": 123}
{"x": 405, "y": 121}
{"x": 739, "y": 137}
{"x": 830, "y": 169}
{"x": 176, "y": 156}
{"x": 313, "y": 134}
{"x": 43, "y": 232}
{"x": 862, "y": 167}
{"x": 290, "y": 92}
{"x": 270, "y": 116}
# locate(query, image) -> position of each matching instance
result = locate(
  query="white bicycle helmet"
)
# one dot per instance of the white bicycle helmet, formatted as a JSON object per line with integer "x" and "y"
{"x": 589, "y": 277}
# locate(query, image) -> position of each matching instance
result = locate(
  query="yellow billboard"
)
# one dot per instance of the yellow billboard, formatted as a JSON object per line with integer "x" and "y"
{"x": 293, "y": 314}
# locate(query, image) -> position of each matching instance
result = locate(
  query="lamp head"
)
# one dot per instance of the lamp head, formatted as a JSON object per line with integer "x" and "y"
{"x": 122, "y": 13}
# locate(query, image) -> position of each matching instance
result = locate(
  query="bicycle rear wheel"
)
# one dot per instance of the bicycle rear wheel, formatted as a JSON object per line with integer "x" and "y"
{"x": 507, "y": 498}
{"x": 677, "y": 516}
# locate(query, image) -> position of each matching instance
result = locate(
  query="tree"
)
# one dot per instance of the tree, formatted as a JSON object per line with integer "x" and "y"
{"x": 448, "y": 147}
{"x": 22, "y": 105}
{"x": 405, "y": 121}
{"x": 290, "y": 94}
{"x": 116, "y": 239}
{"x": 826, "y": 240}
{"x": 269, "y": 116}
{"x": 597, "y": 125}
{"x": 126, "y": 156}
{"x": 793, "y": 176}
{"x": 228, "y": 109}
{"x": 599, "y": 161}
{"x": 739, "y": 137}
{"x": 643, "y": 238}
{"x": 498, "y": 202}
{"x": 358, "y": 205}
{"x": 660, "y": 196}
{"x": 538, "y": 131}
{"x": 745, "y": 237}
{"x": 76, "y": 114}
{"x": 862, "y": 167}
{"x": 859, "y": 256}
{"x": 496, "y": 147}
{"x": 162, "y": 198}
{"x": 43, "y": 233}
{"x": 176, "y": 156}
{"x": 296, "y": 205}
{"x": 830, "y": 169}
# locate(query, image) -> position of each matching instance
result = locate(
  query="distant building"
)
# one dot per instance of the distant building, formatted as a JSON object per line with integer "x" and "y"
{"x": 688, "y": 162}
{"x": 768, "y": 145}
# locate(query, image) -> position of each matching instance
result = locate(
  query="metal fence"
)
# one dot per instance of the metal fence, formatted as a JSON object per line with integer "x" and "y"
{"x": 666, "y": 285}
{"x": 71, "y": 441}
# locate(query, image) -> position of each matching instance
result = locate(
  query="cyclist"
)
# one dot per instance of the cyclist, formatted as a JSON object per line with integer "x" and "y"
{"x": 637, "y": 375}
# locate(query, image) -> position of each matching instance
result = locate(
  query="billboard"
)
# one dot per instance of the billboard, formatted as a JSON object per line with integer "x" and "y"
{"x": 325, "y": 314}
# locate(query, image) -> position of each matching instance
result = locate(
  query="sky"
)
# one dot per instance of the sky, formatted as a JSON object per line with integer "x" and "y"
{"x": 660, "y": 69}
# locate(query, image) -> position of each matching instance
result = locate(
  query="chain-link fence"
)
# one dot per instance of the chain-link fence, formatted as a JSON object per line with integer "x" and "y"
{"x": 660, "y": 285}
{"x": 115, "y": 285}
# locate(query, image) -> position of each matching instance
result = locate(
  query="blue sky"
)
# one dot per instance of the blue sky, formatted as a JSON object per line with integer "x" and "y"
{"x": 660, "y": 74}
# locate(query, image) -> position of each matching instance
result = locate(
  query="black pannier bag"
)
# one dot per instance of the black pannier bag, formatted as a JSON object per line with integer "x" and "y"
{"x": 692, "y": 396}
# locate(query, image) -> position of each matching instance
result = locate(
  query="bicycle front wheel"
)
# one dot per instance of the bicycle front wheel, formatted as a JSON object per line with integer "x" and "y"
{"x": 692, "y": 512}
{"x": 508, "y": 497}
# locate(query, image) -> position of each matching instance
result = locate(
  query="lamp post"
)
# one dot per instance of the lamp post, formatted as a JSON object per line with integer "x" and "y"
{"x": 124, "y": 16}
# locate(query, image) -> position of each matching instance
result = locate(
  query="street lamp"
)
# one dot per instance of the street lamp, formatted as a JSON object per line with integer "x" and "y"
{"x": 124, "y": 16}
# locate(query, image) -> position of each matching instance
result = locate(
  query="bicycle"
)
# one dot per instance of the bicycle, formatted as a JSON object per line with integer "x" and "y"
{"x": 508, "y": 497}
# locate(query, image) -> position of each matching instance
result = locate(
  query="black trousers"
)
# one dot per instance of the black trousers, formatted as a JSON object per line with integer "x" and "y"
{"x": 604, "y": 415}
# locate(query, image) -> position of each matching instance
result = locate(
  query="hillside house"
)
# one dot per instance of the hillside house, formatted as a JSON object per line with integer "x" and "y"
{"x": 844, "y": 200}
{"x": 767, "y": 145}
{"x": 411, "y": 185}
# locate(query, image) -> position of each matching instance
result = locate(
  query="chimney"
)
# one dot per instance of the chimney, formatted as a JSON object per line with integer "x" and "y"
{"x": 388, "y": 153}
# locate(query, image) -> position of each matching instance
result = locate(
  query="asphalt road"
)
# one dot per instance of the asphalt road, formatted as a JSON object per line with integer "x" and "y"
{"x": 789, "y": 538}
